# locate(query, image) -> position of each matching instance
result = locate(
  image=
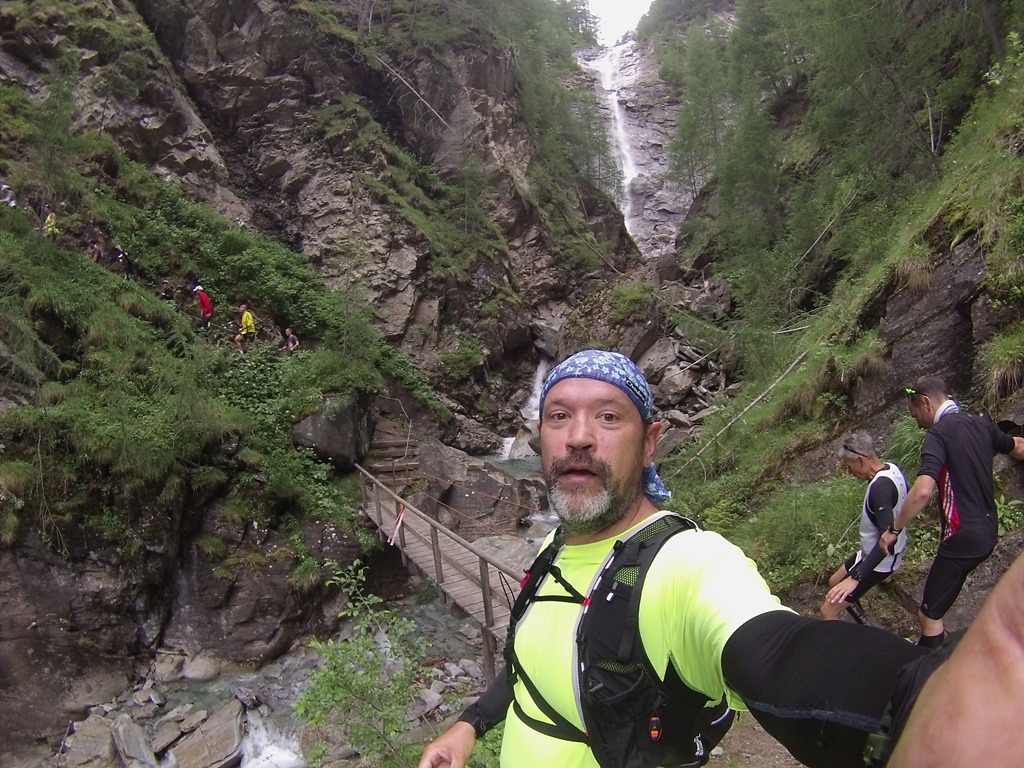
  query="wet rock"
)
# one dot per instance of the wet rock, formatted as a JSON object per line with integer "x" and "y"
{"x": 216, "y": 743}
{"x": 92, "y": 744}
{"x": 133, "y": 747}
{"x": 166, "y": 734}
{"x": 193, "y": 721}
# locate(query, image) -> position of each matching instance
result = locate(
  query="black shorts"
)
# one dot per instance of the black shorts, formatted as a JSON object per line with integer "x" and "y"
{"x": 945, "y": 580}
{"x": 871, "y": 579}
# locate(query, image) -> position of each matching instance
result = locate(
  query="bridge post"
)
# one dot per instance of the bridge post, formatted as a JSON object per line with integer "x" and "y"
{"x": 380, "y": 517}
{"x": 435, "y": 546}
{"x": 488, "y": 639}
{"x": 401, "y": 544}
{"x": 485, "y": 589}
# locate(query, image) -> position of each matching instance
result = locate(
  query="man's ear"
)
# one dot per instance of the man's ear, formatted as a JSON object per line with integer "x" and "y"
{"x": 651, "y": 441}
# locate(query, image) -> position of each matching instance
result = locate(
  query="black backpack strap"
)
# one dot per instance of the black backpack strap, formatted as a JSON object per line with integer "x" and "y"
{"x": 559, "y": 727}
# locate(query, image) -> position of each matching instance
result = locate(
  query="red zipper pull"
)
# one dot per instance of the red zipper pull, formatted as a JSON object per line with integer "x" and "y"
{"x": 654, "y": 727}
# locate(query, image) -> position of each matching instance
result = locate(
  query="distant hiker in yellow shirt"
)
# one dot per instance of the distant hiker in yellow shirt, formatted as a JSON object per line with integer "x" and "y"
{"x": 50, "y": 223}
{"x": 247, "y": 333}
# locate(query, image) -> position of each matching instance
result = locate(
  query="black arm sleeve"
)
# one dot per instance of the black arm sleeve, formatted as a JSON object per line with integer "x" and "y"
{"x": 882, "y": 499}
{"x": 491, "y": 708}
{"x": 818, "y": 687}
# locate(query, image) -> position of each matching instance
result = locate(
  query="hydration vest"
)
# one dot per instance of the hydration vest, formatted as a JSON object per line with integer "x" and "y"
{"x": 632, "y": 718}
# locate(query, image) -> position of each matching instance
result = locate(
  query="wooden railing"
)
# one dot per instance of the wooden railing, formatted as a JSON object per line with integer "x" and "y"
{"x": 446, "y": 558}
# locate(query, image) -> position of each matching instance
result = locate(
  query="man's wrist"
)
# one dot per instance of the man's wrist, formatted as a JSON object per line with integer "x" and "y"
{"x": 893, "y": 529}
{"x": 473, "y": 717}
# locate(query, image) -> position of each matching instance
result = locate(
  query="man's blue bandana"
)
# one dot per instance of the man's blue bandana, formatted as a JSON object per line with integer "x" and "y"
{"x": 619, "y": 371}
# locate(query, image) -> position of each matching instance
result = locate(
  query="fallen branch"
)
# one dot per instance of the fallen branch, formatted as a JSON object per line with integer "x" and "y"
{"x": 742, "y": 413}
{"x": 408, "y": 85}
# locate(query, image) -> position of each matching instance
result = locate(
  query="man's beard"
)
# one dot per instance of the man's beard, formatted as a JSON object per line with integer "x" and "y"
{"x": 585, "y": 512}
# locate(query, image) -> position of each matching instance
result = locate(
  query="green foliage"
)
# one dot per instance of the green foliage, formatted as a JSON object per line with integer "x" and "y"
{"x": 458, "y": 364}
{"x": 211, "y": 545}
{"x": 803, "y": 530}
{"x": 1011, "y": 514}
{"x": 1003, "y": 363}
{"x": 366, "y": 682}
{"x": 904, "y": 445}
{"x": 630, "y": 303}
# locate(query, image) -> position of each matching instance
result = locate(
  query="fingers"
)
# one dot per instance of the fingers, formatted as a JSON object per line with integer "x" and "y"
{"x": 451, "y": 749}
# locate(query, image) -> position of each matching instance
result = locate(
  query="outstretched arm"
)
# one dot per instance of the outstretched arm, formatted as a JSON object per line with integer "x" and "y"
{"x": 452, "y": 748}
{"x": 917, "y": 498}
{"x": 817, "y": 687}
{"x": 1018, "y": 449}
{"x": 969, "y": 710}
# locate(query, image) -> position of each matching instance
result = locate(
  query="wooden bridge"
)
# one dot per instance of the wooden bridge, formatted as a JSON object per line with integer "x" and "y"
{"x": 479, "y": 584}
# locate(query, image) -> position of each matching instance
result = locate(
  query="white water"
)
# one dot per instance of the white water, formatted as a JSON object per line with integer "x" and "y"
{"x": 516, "y": 447}
{"x": 264, "y": 746}
{"x": 608, "y": 67}
{"x": 532, "y": 408}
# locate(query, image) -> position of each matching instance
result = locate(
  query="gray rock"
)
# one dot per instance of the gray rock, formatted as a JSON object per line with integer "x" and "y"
{"x": 132, "y": 744}
{"x": 166, "y": 734}
{"x": 426, "y": 702}
{"x": 168, "y": 666}
{"x": 193, "y": 721}
{"x": 471, "y": 668}
{"x": 217, "y": 743}
{"x": 92, "y": 744}
{"x": 340, "y": 433}
{"x": 202, "y": 666}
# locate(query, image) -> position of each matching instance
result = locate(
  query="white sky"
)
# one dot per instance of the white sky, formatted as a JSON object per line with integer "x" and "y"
{"x": 617, "y": 17}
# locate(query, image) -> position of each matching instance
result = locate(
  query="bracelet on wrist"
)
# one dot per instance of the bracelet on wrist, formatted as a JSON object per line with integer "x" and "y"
{"x": 894, "y": 530}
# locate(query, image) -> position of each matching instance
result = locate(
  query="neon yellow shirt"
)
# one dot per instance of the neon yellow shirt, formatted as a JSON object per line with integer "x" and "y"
{"x": 248, "y": 324}
{"x": 699, "y": 590}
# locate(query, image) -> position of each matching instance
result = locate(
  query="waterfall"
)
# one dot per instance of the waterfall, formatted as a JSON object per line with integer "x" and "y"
{"x": 518, "y": 447}
{"x": 532, "y": 408}
{"x": 607, "y": 66}
{"x": 266, "y": 747}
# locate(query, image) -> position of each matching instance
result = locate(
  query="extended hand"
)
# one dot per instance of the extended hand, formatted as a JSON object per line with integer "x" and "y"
{"x": 887, "y": 540}
{"x": 842, "y": 590}
{"x": 451, "y": 749}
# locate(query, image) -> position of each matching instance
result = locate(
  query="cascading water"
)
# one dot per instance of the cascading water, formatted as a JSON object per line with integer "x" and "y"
{"x": 608, "y": 67}
{"x": 518, "y": 447}
{"x": 265, "y": 746}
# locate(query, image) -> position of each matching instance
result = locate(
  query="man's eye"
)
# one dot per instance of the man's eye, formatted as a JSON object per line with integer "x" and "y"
{"x": 556, "y": 416}
{"x": 609, "y": 417}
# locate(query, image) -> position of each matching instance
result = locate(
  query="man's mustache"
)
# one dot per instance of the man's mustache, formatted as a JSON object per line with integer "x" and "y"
{"x": 579, "y": 460}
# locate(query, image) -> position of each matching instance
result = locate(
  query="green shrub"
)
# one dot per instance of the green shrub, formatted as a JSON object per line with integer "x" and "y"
{"x": 631, "y": 303}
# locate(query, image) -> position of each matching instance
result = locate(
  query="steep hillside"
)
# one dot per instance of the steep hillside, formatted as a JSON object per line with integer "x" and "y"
{"x": 409, "y": 191}
{"x": 863, "y": 209}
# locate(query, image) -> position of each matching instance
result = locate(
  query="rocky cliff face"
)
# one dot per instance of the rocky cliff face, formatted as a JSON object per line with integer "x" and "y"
{"x": 227, "y": 99}
{"x": 626, "y": 81}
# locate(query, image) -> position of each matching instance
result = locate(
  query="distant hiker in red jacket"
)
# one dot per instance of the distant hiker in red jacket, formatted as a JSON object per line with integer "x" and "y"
{"x": 205, "y": 307}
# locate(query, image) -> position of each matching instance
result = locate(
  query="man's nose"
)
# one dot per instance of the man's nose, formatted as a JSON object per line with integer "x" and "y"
{"x": 580, "y": 435}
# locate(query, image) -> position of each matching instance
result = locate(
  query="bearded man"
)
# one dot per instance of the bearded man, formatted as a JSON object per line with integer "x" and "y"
{"x": 706, "y": 619}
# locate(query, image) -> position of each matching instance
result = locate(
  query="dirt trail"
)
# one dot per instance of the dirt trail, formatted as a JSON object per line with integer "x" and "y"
{"x": 748, "y": 746}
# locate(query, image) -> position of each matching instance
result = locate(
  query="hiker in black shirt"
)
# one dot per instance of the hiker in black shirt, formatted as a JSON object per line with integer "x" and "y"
{"x": 956, "y": 457}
